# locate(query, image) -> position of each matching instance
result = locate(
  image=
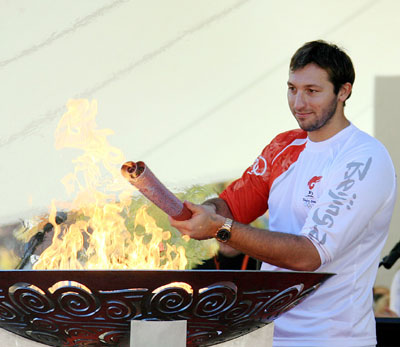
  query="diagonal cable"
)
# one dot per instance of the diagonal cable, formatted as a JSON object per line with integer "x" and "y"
{"x": 56, "y": 36}
{"x": 155, "y": 53}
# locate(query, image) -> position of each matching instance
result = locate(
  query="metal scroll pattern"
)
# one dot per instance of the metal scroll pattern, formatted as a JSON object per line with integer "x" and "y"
{"x": 70, "y": 314}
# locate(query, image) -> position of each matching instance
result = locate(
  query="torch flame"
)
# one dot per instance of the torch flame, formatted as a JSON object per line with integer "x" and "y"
{"x": 99, "y": 238}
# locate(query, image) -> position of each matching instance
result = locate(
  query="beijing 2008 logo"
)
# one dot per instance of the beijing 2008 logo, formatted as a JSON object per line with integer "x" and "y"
{"x": 259, "y": 167}
{"x": 309, "y": 199}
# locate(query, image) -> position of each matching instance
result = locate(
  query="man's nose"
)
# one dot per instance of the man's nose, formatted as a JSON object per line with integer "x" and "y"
{"x": 299, "y": 102}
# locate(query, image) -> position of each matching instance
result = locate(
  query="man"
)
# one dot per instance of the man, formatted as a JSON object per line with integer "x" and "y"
{"x": 330, "y": 190}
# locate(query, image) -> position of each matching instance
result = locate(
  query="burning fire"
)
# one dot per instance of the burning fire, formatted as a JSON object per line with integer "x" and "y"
{"x": 98, "y": 237}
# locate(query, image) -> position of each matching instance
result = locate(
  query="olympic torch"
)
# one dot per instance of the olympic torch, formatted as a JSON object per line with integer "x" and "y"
{"x": 140, "y": 176}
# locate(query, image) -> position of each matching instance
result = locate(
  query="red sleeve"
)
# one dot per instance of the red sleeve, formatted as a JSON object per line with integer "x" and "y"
{"x": 247, "y": 197}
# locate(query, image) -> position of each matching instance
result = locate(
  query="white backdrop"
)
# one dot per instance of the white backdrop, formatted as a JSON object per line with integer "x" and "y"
{"x": 193, "y": 88}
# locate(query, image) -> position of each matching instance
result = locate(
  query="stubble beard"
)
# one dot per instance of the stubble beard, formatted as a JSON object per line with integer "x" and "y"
{"x": 323, "y": 120}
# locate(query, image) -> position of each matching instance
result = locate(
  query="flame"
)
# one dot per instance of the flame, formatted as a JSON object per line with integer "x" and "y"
{"x": 99, "y": 238}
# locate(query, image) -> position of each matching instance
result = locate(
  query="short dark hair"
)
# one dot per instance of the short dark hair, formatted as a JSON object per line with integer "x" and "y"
{"x": 327, "y": 56}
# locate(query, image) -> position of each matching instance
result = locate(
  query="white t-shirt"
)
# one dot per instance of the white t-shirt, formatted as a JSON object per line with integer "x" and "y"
{"x": 339, "y": 193}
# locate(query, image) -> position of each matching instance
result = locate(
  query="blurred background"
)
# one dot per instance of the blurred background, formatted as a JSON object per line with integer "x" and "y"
{"x": 194, "y": 88}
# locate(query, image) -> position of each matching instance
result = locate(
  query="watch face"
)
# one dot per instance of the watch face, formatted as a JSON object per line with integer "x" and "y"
{"x": 223, "y": 235}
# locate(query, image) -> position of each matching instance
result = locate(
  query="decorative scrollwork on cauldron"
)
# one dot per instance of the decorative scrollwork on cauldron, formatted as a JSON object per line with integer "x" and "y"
{"x": 280, "y": 302}
{"x": 170, "y": 299}
{"x": 30, "y": 298}
{"x": 112, "y": 337}
{"x": 80, "y": 308}
{"x": 117, "y": 310}
{"x": 215, "y": 299}
{"x": 251, "y": 305}
{"x": 125, "y": 304}
{"x": 45, "y": 325}
{"x": 79, "y": 333}
{"x": 7, "y": 312}
{"x": 77, "y": 301}
{"x": 300, "y": 297}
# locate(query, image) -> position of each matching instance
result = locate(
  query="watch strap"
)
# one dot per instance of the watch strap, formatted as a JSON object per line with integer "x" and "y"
{"x": 228, "y": 224}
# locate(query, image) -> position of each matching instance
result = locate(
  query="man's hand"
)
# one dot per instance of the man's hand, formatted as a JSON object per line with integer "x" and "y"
{"x": 203, "y": 224}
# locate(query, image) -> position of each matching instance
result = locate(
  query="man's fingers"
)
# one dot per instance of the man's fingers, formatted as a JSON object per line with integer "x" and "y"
{"x": 180, "y": 225}
{"x": 190, "y": 205}
{"x": 194, "y": 208}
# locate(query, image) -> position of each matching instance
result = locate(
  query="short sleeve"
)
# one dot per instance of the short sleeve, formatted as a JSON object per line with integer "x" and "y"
{"x": 247, "y": 197}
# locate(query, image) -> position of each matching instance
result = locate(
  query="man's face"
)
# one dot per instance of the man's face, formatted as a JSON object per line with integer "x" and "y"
{"x": 311, "y": 97}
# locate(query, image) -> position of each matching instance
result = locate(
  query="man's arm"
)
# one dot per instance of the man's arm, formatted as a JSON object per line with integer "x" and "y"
{"x": 222, "y": 208}
{"x": 279, "y": 249}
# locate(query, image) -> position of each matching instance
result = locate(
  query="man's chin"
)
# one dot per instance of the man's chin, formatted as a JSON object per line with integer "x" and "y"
{"x": 305, "y": 125}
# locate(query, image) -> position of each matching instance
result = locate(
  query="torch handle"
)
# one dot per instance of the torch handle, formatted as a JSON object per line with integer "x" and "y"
{"x": 139, "y": 175}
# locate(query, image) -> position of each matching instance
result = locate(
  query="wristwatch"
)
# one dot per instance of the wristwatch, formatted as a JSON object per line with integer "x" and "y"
{"x": 224, "y": 233}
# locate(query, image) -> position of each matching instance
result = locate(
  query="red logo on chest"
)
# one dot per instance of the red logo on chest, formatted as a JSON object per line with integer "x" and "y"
{"x": 313, "y": 181}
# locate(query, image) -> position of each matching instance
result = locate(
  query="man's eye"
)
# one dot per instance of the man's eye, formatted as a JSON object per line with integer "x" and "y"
{"x": 312, "y": 91}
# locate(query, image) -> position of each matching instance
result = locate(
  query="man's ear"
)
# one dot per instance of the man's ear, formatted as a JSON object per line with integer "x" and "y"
{"x": 345, "y": 91}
